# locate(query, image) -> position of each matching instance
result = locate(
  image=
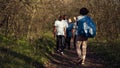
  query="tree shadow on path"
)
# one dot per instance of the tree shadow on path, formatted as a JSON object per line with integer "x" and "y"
{"x": 69, "y": 60}
{"x": 25, "y": 58}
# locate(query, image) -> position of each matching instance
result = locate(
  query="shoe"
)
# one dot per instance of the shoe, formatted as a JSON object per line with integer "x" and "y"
{"x": 62, "y": 53}
{"x": 82, "y": 63}
{"x": 79, "y": 61}
{"x": 57, "y": 51}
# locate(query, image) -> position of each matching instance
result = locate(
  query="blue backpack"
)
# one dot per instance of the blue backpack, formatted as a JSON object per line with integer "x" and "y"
{"x": 86, "y": 27}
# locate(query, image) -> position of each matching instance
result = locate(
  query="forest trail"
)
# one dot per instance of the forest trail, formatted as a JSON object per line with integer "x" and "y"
{"x": 69, "y": 60}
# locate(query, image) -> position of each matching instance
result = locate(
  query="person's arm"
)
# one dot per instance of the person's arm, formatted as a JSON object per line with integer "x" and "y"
{"x": 54, "y": 29}
{"x": 65, "y": 31}
{"x": 73, "y": 32}
{"x": 65, "y": 27}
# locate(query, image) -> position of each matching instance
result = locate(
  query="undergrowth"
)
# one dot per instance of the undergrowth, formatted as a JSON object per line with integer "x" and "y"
{"x": 21, "y": 53}
{"x": 108, "y": 52}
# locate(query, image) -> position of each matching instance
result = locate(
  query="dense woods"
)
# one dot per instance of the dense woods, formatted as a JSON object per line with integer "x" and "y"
{"x": 32, "y": 18}
{"x": 26, "y": 30}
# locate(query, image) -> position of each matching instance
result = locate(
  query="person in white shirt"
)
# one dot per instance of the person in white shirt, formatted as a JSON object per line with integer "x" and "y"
{"x": 60, "y": 33}
{"x": 65, "y": 18}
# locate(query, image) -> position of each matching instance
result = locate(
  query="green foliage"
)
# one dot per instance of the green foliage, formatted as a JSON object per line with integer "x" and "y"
{"x": 23, "y": 54}
{"x": 25, "y": 26}
{"x": 31, "y": 18}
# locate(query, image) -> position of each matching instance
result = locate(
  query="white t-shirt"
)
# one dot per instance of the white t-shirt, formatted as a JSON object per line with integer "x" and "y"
{"x": 60, "y": 26}
{"x": 66, "y": 23}
{"x": 80, "y": 17}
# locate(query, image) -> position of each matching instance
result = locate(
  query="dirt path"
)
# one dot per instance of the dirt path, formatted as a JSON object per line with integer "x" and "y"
{"x": 69, "y": 60}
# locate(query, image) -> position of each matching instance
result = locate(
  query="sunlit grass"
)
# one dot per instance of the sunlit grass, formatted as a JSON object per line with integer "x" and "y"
{"x": 22, "y": 54}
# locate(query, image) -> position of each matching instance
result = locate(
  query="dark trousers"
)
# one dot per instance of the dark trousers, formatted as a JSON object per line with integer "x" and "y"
{"x": 68, "y": 39}
{"x": 60, "y": 43}
{"x": 75, "y": 41}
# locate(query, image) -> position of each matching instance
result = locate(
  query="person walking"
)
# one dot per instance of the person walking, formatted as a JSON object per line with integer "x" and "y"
{"x": 69, "y": 33}
{"x": 60, "y": 33}
{"x": 75, "y": 27}
{"x": 86, "y": 29}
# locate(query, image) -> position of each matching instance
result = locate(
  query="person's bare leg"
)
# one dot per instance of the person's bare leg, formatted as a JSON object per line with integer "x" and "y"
{"x": 84, "y": 49}
{"x": 78, "y": 45}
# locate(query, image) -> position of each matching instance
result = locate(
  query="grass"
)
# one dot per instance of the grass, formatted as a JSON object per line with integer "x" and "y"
{"x": 107, "y": 52}
{"x": 23, "y": 54}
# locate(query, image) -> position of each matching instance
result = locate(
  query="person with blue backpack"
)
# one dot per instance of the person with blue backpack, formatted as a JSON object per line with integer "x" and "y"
{"x": 69, "y": 33}
{"x": 86, "y": 29}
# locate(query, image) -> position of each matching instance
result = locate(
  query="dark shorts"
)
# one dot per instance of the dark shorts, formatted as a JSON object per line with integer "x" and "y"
{"x": 81, "y": 38}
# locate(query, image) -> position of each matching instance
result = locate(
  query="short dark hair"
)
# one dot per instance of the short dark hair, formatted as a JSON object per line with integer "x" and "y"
{"x": 84, "y": 11}
{"x": 60, "y": 18}
{"x": 65, "y": 16}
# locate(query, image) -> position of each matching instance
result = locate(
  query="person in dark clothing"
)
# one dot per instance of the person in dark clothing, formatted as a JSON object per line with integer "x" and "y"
{"x": 75, "y": 27}
{"x": 69, "y": 33}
